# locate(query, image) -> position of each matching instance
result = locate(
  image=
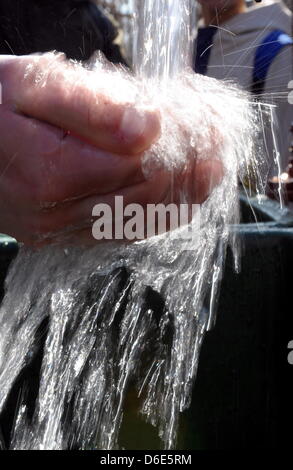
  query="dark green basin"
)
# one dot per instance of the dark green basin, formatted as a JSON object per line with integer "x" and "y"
{"x": 264, "y": 210}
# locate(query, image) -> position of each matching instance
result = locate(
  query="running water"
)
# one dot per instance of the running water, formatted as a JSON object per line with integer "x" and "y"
{"x": 135, "y": 313}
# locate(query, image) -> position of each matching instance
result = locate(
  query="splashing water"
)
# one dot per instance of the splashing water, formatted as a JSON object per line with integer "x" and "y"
{"x": 104, "y": 327}
{"x": 162, "y": 45}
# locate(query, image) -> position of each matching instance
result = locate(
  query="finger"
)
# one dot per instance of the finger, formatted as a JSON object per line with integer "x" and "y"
{"x": 75, "y": 99}
{"x": 49, "y": 168}
{"x": 74, "y": 217}
{"x": 79, "y": 214}
{"x": 196, "y": 182}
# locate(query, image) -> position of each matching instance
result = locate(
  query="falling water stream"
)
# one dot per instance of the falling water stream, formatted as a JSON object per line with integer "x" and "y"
{"x": 134, "y": 313}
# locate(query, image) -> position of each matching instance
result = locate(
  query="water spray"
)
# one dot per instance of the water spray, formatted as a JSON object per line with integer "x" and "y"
{"x": 103, "y": 333}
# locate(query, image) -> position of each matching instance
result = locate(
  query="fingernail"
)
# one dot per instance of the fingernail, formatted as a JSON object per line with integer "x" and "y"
{"x": 133, "y": 124}
{"x": 140, "y": 127}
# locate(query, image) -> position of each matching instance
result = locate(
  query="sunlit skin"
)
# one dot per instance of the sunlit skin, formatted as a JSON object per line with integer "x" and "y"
{"x": 59, "y": 156}
{"x": 219, "y": 11}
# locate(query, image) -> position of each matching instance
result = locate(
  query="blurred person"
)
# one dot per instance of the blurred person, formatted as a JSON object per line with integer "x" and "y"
{"x": 252, "y": 47}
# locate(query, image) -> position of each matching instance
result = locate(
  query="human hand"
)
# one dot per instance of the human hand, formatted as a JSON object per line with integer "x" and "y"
{"x": 66, "y": 146}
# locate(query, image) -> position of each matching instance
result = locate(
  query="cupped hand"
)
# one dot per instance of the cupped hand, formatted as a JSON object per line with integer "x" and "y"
{"x": 66, "y": 146}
